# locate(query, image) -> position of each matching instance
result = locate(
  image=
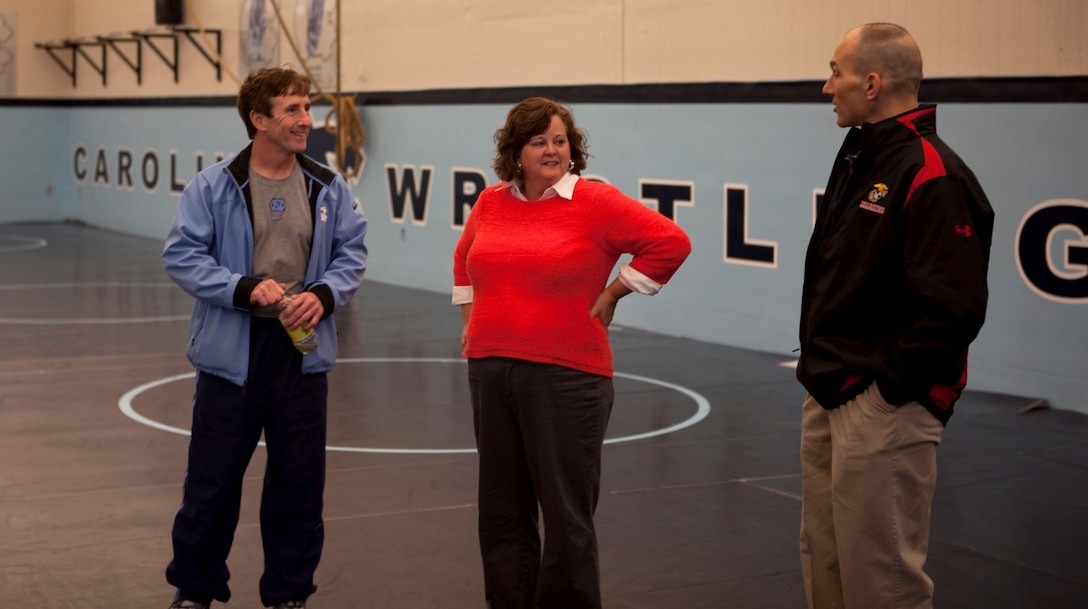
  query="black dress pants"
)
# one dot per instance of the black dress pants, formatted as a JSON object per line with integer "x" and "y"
{"x": 539, "y": 432}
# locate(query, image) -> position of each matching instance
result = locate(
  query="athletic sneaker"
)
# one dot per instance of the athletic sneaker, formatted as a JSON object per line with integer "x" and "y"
{"x": 187, "y": 605}
{"x": 291, "y": 605}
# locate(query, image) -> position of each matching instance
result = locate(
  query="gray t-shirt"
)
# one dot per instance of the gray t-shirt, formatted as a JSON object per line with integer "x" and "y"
{"x": 283, "y": 230}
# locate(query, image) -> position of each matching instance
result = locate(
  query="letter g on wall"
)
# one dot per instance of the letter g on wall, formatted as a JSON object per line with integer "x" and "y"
{"x": 1052, "y": 250}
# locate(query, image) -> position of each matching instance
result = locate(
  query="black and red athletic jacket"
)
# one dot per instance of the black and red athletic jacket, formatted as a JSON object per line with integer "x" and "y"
{"x": 895, "y": 275}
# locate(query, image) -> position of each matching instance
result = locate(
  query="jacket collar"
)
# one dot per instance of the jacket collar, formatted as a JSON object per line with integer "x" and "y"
{"x": 239, "y": 167}
{"x": 903, "y": 128}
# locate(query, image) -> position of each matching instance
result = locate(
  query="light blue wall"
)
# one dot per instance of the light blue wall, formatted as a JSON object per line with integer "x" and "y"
{"x": 1024, "y": 154}
{"x": 32, "y": 185}
{"x": 163, "y": 145}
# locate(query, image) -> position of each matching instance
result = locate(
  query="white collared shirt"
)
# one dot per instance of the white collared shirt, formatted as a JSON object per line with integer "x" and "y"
{"x": 563, "y": 188}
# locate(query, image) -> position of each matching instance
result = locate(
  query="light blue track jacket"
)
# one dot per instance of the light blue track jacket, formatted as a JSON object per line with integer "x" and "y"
{"x": 209, "y": 253}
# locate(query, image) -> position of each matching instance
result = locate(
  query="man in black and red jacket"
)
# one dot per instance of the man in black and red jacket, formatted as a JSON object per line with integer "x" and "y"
{"x": 894, "y": 292}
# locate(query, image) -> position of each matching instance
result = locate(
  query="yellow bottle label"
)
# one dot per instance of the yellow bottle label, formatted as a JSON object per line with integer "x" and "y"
{"x": 299, "y": 334}
{"x": 303, "y": 338}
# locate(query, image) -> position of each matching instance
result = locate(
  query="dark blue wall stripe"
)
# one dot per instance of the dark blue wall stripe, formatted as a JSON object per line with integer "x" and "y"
{"x": 1071, "y": 89}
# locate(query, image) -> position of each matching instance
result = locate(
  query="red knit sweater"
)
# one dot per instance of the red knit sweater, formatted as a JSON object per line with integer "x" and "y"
{"x": 537, "y": 267}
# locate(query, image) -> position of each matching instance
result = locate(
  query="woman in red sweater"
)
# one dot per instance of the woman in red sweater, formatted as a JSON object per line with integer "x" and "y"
{"x": 531, "y": 276}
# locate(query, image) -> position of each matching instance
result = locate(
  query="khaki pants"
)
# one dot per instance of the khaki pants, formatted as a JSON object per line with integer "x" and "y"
{"x": 868, "y": 473}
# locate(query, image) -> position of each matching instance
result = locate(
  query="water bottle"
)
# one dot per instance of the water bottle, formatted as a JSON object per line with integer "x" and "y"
{"x": 304, "y": 339}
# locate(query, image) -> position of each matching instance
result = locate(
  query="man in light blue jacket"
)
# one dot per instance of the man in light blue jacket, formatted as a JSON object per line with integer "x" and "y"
{"x": 266, "y": 242}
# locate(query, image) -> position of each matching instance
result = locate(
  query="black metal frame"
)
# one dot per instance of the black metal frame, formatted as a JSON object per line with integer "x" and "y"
{"x": 169, "y": 57}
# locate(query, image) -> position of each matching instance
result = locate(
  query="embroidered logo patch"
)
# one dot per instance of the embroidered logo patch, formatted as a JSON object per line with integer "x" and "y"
{"x": 875, "y": 195}
{"x": 276, "y": 207}
{"x": 878, "y": 192}
{"x": 963, "y": 231}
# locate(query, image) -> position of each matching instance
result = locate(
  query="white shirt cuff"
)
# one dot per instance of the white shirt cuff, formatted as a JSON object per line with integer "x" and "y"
{"x": 637, "y": 282}
{"x": 462, "y": 294}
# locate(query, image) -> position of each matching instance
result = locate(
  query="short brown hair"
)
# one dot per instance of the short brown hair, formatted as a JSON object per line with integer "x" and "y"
{"x": 890, "y": 50}
{"x": 527, "y": 120}
{"x": 260, "y": 87}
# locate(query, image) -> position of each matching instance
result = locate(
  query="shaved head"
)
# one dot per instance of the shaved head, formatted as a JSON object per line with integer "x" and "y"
{"x": 888, "y": 50}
